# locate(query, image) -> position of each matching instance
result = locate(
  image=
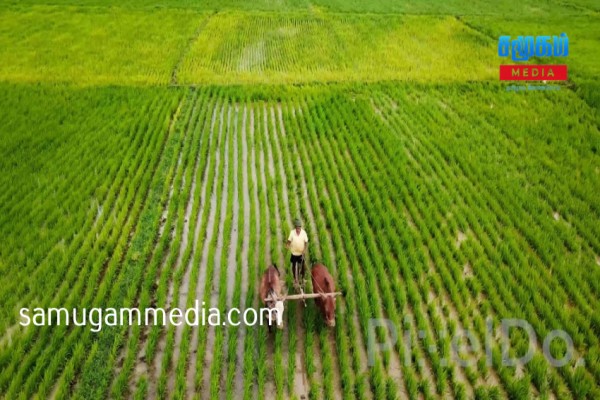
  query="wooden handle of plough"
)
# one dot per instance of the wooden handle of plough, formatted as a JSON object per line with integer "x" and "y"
{"x": 304, "y": 296}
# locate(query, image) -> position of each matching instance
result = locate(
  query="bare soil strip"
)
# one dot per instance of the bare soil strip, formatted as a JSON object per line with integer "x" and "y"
{"x": 232, "y": 262}
{"x": 316, "y": 245}
{"x": 214, "y": 293}
{"x": 301, "y": 386}
{"x": 300, "y": 376}
{"x": 192, "y": 362}
{"x": 156, "y": 367}
{"x": 243, "y": 263}
{"x": 273, "y": 190}
{"x": 281, "y": 132}
{"x": 269, "y": 383}
{"x": 257, "y": 249}
{"x": 275, "y": 150}
{"x": 278, "y": 237}
{"x": 185, "y": 283}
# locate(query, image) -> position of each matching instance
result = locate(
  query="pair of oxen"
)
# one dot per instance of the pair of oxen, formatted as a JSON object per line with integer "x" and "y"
{"x": 271, "y": 293}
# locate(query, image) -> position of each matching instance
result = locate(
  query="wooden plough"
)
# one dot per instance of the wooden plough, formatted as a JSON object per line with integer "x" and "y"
{"x": 303, "y": 296}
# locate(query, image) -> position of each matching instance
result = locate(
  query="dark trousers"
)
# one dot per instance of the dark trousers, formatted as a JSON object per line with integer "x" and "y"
{"x": 297, "y": 260}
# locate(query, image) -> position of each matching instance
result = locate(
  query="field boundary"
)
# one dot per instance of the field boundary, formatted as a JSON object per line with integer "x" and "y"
{"x": 188, "y": 46}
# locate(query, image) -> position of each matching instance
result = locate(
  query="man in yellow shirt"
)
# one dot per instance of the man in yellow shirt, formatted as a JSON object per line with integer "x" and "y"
{"x": 297, "y": 243}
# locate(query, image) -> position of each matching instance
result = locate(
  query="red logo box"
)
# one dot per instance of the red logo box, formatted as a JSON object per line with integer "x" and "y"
{"x": 533, "y": 72}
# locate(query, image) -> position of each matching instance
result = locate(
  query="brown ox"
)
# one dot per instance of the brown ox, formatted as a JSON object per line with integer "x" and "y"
{"x": 323, "y": 283}
{"x": 270, "y": 287}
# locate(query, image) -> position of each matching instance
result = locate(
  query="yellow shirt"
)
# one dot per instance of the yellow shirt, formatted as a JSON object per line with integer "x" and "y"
{"x": 297, "y": 242}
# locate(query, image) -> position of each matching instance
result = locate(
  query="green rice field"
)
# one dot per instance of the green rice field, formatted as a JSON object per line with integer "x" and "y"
{"x": 154, "y": 153}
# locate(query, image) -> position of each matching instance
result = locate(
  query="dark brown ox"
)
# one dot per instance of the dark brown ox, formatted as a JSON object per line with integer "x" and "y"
{"x": 323, "y": 283}
{"x": 270, "y": 287}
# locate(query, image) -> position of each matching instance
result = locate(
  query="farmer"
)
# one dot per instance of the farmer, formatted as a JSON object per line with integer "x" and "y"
{"x": 297, "y": 243}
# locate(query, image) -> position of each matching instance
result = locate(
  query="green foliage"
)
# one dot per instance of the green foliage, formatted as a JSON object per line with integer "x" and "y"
{"x": 89, "y": 47}
{"x": 261, "y": 48}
